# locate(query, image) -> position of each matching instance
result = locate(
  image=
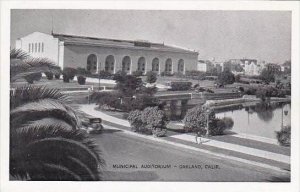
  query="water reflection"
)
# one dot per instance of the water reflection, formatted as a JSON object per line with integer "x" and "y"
{"x": 261, "y": 119}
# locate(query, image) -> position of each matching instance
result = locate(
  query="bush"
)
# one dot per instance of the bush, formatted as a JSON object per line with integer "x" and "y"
{"x": 81, "y": 80}
{"x": 164, "y": 73}
{"x": 69, "y": 73}
{"x": 196, "y": 119}
{"x": 57, "y": 76}
{"x": 137, "y": 73}
{"x": 66, "y": 79}
{"x": 150, "y": 120}
{"x": 111, "y": 100}
{"x": 226, "y": 77}
{"x": 151, "y": 77}
{"x": 284, "y": 136}
{"x": 180, "y": 86}
{"x": 135, "y": 120}
{"x": 218, "y": 126}
{"x": 49, "y": 75}
{"x": 82, "y": 71}
{"x": 33, "y": 77}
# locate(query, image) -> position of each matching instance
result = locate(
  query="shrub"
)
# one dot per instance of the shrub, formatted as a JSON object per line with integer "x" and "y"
{"x": 33, "y": 77}
{"x": 284, "y": 136}
{"x": 218, "y": 126}
{"x": 82, "y": 71}
{"x": 180, "y": 86}
{"x": 165, "y": 73}
{"x": 81, "y": 80}
{"x": 107, "y": 99}
{"x": 57, "y": 76}
{"x": 49, "y": 75}
{"x": 154, "y": 118}
{"x": 69, "y": 72}
{"x": 137, "y": 73}
{"x": 135, "y": 120}
{"x": 66, "y": 79}
{"x": 150, "y": 121}
{"x": 196, "y": 119}
{"x": 151, "y": 77}
{"x": 226, "y": 77}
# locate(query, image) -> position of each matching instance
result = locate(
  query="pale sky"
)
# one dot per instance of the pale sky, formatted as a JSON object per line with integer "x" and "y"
{"x": 264, "y": 35}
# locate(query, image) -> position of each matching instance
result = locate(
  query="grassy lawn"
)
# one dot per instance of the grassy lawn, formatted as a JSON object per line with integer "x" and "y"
{"x": 58, "y": 83}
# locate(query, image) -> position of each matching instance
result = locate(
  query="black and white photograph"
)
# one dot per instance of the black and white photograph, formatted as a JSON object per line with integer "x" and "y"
{"x": 150, "y": 95}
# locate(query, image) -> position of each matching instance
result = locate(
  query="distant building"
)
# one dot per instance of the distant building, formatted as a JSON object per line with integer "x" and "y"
{"x": 272, "y": 67}
{"x": 251, "y": 67}
{"x": 204, "y": 66}
{"x": 111, "y": 55}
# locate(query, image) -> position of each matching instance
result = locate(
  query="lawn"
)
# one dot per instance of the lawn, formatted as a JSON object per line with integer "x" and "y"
{"x": 58, "y": 83}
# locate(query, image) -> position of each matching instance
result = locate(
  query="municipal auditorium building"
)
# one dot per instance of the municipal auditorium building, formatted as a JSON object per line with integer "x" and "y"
{"x": 111, "y": 55}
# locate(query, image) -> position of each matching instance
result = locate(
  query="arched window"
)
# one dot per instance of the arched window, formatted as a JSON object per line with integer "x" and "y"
{"x": 168, "y": 66}
{"x": 29, "y": 47}
{"x": 42, "y": 47}
{"x": 180, "y": 66}
{"x": 141, "y": 64}
{"x": 91, "y": 65}
{"x": 155, "y": 65}
{"x": 39, "y": 49}
{"x": 110, "y": 64}
{"x": 126, "y": 63}
{"x": 35, "y": 47}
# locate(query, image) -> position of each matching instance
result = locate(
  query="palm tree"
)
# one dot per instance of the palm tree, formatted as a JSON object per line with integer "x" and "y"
{"x": 45, "y": 140}
{"x": 21, "y": 65}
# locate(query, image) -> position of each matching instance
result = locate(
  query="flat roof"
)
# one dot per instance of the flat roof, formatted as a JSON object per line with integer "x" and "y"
{"x": 138, "y": 44}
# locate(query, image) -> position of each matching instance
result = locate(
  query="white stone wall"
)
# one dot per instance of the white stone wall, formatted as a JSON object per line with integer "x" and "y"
{"x": 50, "y": 46}
{"x": 76, "y": 56}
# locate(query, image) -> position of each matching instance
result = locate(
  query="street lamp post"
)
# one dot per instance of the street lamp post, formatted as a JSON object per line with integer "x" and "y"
{"x": 99, "y": 76}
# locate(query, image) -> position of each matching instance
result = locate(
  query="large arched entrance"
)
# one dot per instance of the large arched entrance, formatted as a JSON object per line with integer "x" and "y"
{"x": 180, "y": 66}
{"x": 91, "y": 64}
{"x": 168, "y": 66}
{"x": 126, "y": 63}
{"x": 110, "y": 64}
{"x": 155, "y": 65}
{"x": 141, "y": 64}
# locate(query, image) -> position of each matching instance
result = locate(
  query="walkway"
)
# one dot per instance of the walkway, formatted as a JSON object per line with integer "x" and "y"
{"x": 235, "y": 148}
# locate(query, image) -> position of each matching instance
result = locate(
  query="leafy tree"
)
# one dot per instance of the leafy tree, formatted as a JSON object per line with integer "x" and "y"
{"x": 267, "y": 76}
{"x": 196, "y": 119}
{"x": 137, "y": 73}
{"x": 226, "y": 77}
{"x": 151, "y": 77}
{"x": 128, "y": 85}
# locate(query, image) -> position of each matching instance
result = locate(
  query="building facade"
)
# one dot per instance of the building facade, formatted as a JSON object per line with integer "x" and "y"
{"x": 111, "y": 55}
{"x": 251, "y": 67}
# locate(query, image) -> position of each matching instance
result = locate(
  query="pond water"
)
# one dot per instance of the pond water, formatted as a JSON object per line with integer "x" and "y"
{"x": 257, "y": 122}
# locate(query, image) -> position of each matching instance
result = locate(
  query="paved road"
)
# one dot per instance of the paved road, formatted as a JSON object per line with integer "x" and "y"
{"x": 119, "y": 148}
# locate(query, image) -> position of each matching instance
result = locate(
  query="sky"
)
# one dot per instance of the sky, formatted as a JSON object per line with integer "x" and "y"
{"x": 263, "y": 35}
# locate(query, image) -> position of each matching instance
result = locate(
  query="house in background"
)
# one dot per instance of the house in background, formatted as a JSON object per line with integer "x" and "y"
{"x": 111, "y": 55}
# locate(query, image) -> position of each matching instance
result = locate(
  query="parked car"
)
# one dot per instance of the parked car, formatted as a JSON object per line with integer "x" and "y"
{"x": 93, "y": 125}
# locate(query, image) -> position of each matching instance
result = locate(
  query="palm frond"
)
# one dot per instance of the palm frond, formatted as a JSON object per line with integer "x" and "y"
{"x": 73, "y": 150}
{"x": 42, "y": 109}
{"x": 19, "y": 68}
{"x": 18, "y": 54}
{"x": 30, "y": 93}
{"x": 44, "y": 122}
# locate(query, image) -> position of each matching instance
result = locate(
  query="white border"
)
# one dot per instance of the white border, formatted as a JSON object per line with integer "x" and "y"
{"x": 15, "y": 186}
